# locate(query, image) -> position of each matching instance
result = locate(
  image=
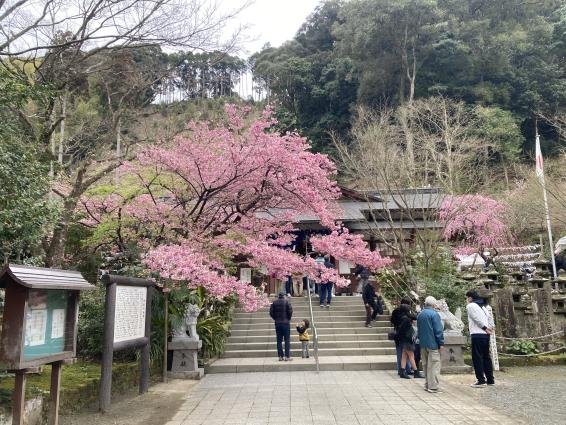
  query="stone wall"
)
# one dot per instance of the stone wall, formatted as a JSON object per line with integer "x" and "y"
{"x": 524, "y": 306}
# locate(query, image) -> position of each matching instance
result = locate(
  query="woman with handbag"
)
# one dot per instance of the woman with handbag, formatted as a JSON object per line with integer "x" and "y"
{"x": 396, "y": 317}
{"x": 407, "y": 334}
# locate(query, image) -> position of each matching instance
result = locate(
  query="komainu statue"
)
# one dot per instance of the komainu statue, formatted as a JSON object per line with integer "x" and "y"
{"x": 189, "y": 324}
{"x": 452, "y": 324}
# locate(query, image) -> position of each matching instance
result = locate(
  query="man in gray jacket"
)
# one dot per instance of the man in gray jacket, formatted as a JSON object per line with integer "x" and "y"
{"x": 480, "y": 331}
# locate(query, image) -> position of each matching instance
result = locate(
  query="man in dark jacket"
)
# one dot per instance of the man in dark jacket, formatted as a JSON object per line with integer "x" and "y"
{"x": 281, "y": 312}
{"x": 368, "y": 295}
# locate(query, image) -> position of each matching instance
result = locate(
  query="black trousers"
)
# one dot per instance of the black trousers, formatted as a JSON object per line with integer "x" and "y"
{"x": 481, "y": 358}
{"x": 283, "y": 332}
{"x": 371, "y": 312}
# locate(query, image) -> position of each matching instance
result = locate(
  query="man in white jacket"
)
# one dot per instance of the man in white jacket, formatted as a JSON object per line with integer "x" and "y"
{"x": 480, "y": 331}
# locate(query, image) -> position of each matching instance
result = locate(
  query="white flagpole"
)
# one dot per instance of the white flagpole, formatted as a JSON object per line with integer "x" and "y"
{"x": 540, "y": 175}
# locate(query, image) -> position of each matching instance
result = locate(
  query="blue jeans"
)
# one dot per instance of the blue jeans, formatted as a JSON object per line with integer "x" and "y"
{"x": 326, "y": 292}
{"x": 399, "y": 351}
{"x": 283, "y": 331}
{"x": 305, "y": 349}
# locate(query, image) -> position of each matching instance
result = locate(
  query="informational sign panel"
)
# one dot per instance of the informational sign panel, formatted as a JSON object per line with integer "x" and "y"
{"x": 246, "y": 275}
{"x": 129, "y": 317}
{"x": 344, "y": 267}
{"x": 45, "y": 323}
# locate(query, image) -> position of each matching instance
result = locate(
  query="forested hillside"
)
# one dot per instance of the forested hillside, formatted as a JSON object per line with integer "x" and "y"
{"x": 506, "y": 56}
{"x": 400, "y": 93}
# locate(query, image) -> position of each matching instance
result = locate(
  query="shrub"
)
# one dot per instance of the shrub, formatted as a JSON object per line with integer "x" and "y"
{"x": 91, "y": 324}
{"x": 522, "y": 346}
{"x": 440, "y": 279}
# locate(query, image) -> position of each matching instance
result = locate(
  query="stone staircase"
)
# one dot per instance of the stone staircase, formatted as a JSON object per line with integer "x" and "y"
{"x": 343, "y": 340}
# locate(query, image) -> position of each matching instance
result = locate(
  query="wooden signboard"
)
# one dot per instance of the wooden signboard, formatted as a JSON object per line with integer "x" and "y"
{"x": 127, "y": 324}
{"x": 39, "y": 326}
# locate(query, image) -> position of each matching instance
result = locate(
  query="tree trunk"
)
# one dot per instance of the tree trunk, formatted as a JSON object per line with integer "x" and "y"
{"x": 55, "y": 253}
{"x": 118, "y": 147}
{"x": 62, "y": 135}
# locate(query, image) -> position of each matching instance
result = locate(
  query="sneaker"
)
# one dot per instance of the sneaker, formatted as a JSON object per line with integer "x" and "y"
{"x": 369, "y": 326}
{"x": 308, "y": 357}
{"x": 322, "y": 306}
{"x": 327, "y": 305}
{"x": 491, "y": 384}
{"x": 419, "y": 375}
{"x": 479, "y": 385}
{"x": 280, "y": 359}
{"x": 433, "y": 391}
{"x": 288, "y": 359}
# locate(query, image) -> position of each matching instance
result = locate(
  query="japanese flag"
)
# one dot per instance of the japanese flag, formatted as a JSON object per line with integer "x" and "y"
{"x": 538, "y": 159}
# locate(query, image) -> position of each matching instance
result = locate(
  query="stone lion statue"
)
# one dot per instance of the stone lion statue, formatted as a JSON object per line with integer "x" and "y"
{"x": 452, "y": 324}
{"x": 189, "y": 324}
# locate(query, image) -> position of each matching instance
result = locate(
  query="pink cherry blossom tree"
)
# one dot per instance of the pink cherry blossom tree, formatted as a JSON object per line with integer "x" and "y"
{"x": 226, "y": 191}
{"x": 475, "y": 222}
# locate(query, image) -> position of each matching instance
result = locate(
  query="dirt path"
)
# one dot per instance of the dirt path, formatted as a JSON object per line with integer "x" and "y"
{"x": 156, "y": 407}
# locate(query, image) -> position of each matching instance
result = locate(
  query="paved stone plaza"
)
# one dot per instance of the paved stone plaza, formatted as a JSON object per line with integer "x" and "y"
{"x": 340, "y": 397}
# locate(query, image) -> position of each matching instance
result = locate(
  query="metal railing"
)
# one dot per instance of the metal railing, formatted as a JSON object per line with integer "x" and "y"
{"x": 313, "y": 326}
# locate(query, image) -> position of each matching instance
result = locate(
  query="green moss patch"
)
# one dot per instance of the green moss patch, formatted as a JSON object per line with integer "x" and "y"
{"x": 79, "y": 384}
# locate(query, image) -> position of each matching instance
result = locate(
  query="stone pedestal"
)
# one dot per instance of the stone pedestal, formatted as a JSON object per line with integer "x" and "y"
{"x": 452, "y": 358}
{"x": 185, "y": 362}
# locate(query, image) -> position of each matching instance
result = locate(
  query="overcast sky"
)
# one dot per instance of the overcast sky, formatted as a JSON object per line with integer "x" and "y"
{"x": 274, "y": 21}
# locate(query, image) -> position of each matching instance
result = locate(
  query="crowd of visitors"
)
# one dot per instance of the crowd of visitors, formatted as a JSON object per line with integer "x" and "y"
{"x": 418, "y": 333}
{"x": 421, "y": 337}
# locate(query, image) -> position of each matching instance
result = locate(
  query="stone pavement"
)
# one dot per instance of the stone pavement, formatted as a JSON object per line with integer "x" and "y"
{"x": 333, "y": 397}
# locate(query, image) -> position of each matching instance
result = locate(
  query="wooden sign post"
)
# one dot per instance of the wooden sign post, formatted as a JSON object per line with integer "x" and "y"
{"x": 39, "y": 327}
{"x": 127, "y": 324}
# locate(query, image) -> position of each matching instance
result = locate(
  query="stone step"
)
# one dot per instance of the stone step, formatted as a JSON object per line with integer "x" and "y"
{"x": 254, "y": 331}
{"x": 296, "y": 345}
{"x": 375, "y": 351}
{"x": 330, "y": 363}
{"x": 321, "y": 337}
{"x": 268, "y": 326}
{"x": 342, "y": 301}
{"x": 317, "y": 312}
{"x": 319, "y": 321}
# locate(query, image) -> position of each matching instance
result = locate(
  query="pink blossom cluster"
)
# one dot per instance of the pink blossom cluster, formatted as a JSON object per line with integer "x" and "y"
{"x": 182, "y": 263}
{"x": 475, "y": 222}
{"x": 221, "y": 192}
{"x": 350, "y": 247}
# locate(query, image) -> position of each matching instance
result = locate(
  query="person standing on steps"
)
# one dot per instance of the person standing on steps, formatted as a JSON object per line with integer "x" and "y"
{"x": 281, "y": 312}
{"x": 480, "y": 331}
{"x": 304, "y": 337}
{"x": 369, "y": 298}
{"x": 431, "y": 337}
{"x": 297, "y": 284}
{"x": 326, "y": 287}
